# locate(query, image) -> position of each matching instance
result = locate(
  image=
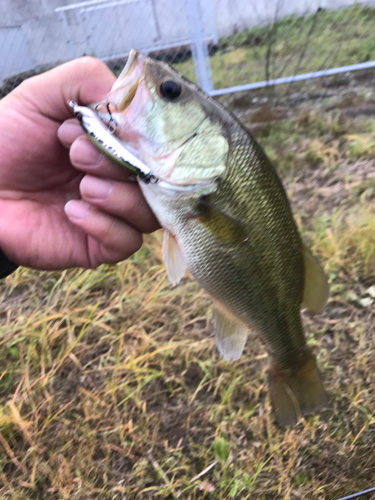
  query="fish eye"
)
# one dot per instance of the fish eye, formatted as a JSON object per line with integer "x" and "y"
{"x": 170, "y": 89}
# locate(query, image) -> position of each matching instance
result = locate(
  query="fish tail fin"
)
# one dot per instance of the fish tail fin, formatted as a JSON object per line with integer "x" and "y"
{"x": 296, "y": 393}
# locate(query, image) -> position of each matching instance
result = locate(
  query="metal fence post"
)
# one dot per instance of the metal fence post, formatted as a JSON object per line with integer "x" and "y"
{"x": 199, "y": 47}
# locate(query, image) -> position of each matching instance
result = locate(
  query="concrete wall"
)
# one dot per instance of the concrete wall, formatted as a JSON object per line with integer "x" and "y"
{"x": 239, "y": 14}
{"x": 36, "y": 34}
{"x": 39, "y": 33}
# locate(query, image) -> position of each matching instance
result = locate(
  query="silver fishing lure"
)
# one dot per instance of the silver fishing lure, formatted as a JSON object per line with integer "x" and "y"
{"x": 102, "y": 136}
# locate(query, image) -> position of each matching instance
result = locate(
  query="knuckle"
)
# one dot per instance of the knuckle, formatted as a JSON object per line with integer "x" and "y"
{"x": 111, "y": 232}
{"x": 124, "y": 248}
{"x": 91, "y": 65}
{"x": 135, "y": 203}
{"x": 24, "y": 86}
{"x": 88, "y": 62}
{"x": 133, "y": 244}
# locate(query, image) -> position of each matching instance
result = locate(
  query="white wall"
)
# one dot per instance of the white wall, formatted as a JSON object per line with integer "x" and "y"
{"x": 240, "y": 14}
{"x": 34, "y": 35}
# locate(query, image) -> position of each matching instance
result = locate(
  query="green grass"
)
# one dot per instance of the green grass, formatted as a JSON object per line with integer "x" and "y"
{"x": 316, "y": 138}
{"x": 298, "y": 45}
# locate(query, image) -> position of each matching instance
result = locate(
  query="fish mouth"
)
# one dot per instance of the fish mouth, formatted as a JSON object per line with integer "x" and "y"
{"x": 126, "y": 85}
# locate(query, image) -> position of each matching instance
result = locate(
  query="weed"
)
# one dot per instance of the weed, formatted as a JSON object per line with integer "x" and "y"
{"x": 329, "y": 38}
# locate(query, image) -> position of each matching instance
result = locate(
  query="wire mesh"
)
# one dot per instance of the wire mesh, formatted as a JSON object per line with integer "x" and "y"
{"x": 225, "y": 46}
{"x": 314, "y": 39}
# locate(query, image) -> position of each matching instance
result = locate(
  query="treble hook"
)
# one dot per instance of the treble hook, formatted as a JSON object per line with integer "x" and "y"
{"x": 112, "y": 124}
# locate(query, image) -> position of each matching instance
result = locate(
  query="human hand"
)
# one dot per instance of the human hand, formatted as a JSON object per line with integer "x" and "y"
{"x": 38, "y": 179}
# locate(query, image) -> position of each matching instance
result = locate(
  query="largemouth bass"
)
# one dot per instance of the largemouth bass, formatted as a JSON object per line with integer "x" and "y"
{"x": 227, "y": 219}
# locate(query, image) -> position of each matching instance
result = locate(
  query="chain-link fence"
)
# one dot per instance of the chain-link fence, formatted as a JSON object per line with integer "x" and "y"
{"x": 301, "y": 42}
{"x": 226, "y": 45}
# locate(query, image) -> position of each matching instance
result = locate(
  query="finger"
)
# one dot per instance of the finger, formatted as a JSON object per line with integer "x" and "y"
{"x": 116, "y": 239}
{"x": 69, "y": 131}
{"x": 121, "y": 199}
{"x": 86, "y": 157}
{"x": 85, "y": 80}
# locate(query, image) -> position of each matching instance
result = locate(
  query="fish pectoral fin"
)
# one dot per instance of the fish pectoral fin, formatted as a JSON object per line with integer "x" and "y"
{"x": 296, "y": 393}
{"x": 230, "y": 333}
{"x": 316, "y": 290}
{"x": 221, "y": 224}
{"x": 173, "y": 258}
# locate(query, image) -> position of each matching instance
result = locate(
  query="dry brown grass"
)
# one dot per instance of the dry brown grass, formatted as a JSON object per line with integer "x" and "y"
{"x": 111, "y": 386}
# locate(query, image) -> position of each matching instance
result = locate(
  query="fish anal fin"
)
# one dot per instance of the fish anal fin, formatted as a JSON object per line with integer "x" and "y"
{"x": 173, "y": 258}
{"x": 230, "y": 333}
{"x": 297, "y": 393}
{"x": 316, "y": 290}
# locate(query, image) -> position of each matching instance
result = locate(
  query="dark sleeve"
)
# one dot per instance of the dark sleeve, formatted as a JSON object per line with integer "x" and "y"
{"x": 6, "y": 266}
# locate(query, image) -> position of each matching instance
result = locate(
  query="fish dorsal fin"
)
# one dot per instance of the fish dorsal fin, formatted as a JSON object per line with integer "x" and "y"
{"x": 315, "y": 293}
{"x": 173, "y": 258}
{"x": 230, "y": 333}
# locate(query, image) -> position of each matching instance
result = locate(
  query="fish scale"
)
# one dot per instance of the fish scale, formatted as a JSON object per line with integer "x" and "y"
{"x": 254, "y": 274}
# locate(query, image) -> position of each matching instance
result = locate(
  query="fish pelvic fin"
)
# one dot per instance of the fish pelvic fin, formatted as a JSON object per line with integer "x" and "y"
{"x": 230, "y": 333}
{"x": 173, "y": 258}
{"x": 296, "y": 393}
{"x": 316, "y": 290}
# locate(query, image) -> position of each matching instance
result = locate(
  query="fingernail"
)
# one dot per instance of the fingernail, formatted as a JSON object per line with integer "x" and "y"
{"x": 85, "y": 153}
{"x": 95, "y": 188}
{"x": 76, "y": 209}
{"x": 68, "y": 133}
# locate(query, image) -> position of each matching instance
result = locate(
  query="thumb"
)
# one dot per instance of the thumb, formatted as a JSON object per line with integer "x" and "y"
{"x": 85, "y": 80}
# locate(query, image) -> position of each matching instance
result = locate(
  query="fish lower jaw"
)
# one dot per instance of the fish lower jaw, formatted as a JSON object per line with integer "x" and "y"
{"x": 202, "y": 188}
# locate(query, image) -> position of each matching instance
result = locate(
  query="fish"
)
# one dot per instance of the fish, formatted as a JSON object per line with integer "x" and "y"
{"x": 226, "y": 218}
